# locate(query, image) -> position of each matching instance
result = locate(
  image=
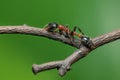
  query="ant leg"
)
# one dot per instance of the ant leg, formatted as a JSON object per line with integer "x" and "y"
{"x": 61, "y": 32}
{"x": 80, "y": 30}
{"x": 67, "y": 26}
{"x": 67, "y": 34}
{"x": 72, "y": 33}
{"x": 45, "y": 27}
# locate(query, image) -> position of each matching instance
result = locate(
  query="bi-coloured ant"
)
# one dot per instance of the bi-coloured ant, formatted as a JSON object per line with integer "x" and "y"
{"x": 64, "y": 30}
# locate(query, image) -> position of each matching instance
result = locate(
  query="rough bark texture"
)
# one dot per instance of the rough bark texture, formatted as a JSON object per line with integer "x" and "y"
{"x": 63, "y": 65}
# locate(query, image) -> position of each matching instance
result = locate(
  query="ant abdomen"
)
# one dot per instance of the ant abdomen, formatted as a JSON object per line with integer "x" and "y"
{"x": 51, "y": 27}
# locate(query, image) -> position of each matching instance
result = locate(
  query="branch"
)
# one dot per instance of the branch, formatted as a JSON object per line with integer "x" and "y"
{"x": 63, "y": 65}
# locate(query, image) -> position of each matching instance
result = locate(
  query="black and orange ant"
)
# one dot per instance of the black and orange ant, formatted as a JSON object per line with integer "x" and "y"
{"x": 64, "y": 30}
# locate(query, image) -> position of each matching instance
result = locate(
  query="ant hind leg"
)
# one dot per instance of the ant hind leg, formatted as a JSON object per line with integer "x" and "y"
{"x": 80, "y": 30}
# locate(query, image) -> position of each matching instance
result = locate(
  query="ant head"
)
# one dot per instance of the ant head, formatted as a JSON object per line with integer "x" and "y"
{"x": 85, "y": 38}
{"x": 87, "y": 42}
{"x": 53, "y": 25}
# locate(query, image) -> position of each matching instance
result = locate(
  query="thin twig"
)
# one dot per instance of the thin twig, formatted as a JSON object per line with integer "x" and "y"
{"x": 63, "y": 65}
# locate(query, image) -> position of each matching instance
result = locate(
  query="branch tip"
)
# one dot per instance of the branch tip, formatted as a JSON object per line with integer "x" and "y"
{"x": 35, "y": 69}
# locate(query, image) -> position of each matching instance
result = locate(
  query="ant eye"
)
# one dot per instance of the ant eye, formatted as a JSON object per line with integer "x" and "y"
{"x": 85, "y": 37}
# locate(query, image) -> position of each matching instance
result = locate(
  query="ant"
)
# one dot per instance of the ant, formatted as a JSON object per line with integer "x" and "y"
{"x": 64, "y": 30}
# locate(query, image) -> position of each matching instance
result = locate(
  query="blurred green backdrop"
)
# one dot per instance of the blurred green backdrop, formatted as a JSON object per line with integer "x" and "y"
{"x": 19, "y": 52}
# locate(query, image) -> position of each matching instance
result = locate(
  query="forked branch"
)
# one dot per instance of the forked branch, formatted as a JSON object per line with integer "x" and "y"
{"x": 63, "y": 65}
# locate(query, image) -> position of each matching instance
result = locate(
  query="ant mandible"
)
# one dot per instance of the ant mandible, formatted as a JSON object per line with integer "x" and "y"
{"x": 64, "y": 30}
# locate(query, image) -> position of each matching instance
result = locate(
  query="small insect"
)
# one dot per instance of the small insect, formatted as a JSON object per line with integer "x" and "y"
{"x": 64, "y": 30}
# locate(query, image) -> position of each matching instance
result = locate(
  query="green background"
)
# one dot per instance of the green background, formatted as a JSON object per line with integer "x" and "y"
{"x": 95, "y": 17}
